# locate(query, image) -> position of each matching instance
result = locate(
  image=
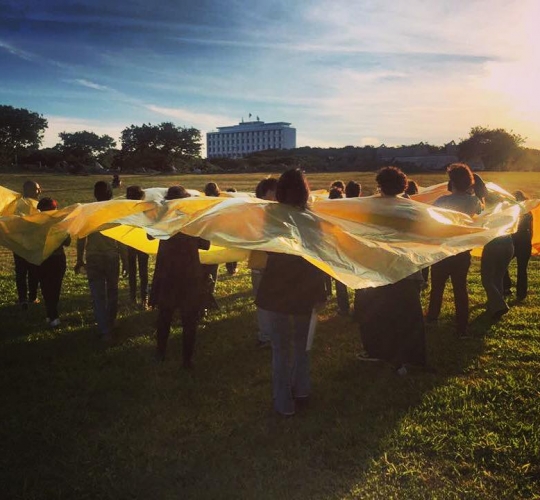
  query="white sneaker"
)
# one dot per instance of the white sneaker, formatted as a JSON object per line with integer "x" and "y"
{"x": 54, "y": 323}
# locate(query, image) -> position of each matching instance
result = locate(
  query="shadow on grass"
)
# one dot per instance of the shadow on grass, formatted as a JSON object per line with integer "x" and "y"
{"x": 111, "y": 423}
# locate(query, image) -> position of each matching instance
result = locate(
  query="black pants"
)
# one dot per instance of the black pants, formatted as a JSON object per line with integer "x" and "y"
{"x": 189, "y": 331}
{"x": 522, "y": 253}
{"x": 26, "y": 279}
{"x": 210, "y": 275}
{"x": 137, "y": 257}
{"x": 51, "y": 274}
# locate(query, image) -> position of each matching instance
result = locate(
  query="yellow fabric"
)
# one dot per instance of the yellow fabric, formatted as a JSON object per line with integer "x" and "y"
{"x": 360, "y": 241}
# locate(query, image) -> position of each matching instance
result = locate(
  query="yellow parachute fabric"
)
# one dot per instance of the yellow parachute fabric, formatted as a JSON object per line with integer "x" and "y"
{"x": 360, "y": 241}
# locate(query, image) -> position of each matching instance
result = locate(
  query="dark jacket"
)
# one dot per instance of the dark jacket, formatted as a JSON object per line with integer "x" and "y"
{"x": 290, "y": 285}
{"x": 178, "y": 277}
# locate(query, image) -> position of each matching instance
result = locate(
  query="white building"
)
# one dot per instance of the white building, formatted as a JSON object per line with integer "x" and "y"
{"x": 239, "y": 140}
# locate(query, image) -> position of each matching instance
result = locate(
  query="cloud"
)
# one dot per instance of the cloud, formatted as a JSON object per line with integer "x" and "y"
{"x": 90, "y": 85}
{"x": 59, "y": 124}
{"x": 192, "y": 119}
{"x": 27, "y": 56}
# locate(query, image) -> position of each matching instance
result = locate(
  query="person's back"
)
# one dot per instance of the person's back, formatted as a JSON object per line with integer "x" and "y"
{"x": 460, "y": 202}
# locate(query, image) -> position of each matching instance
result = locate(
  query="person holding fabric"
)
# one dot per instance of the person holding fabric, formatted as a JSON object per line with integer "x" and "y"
{"x": 102, "y": 270}
{"x": 290, "y": 289}
{"x": 496, "y": 257}
{"x": 390, "y": 316}
{"x": 136, "y": 258}
{"x": 26, "y": 273}
{"x": 52, "y": 270}
{"x": 265, "y": 190}
{"x": 457, "y": 266}
{"x": 211, "y": 270}
{"x": 522, "y": 240}
{"x": 178, "y": 285}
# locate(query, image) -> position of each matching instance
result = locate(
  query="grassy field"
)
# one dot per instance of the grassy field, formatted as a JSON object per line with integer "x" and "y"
{"x": 79, "y": 421}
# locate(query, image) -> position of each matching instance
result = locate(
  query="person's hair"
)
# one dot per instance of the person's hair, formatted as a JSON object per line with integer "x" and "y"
{"x": 479, "y": 187}
{"x": 31, "y": 189}
{"x": 461, "y": 177}
{"x": 268, "y": 184}
{"x": 102, "y": 191}
{"x": 231, "y": 190}
{"x": 338, "y": 184}
{"x": 412, "y": 187}
{"x": 391, "y": 180}
{"x": 134, "y": 193}
{"x": 520, "y": 195}
{"x": 176, "y": 192}
{"x": 335, "y": 193}
{"x": 353, "y": 189}
{"x": 46, "y": 204}
{"x": 292, "y": 188}
{"x": 212, "y": 189}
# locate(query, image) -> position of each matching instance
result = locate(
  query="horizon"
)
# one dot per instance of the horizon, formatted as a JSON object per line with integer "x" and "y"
{"x": 341, "y": 74}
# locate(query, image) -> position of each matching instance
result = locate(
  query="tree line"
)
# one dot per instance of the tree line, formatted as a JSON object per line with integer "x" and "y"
{"x": 166, "y": 147}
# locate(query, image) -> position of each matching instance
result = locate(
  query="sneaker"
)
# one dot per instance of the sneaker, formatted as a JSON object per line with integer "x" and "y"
{"x": 363, "y": 355}
{"x": 55, "y": 323}
{"x": 499, "y": 314}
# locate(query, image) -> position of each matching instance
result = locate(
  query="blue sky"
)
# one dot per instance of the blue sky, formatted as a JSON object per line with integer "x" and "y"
{"x": 342, "y": 72}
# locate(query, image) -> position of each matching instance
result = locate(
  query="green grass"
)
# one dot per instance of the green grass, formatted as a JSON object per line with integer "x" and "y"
{"x": 82, "y": 422}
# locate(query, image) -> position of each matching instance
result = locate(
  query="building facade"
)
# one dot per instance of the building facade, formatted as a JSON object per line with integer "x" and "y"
{"x": 240, "y": 140}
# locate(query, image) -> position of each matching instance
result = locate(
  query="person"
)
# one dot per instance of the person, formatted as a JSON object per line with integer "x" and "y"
{"x": 26, "y": 273}
{"x": 457, "y": 266}
{"x": 265, "y": 190}
{"x": 341, "y": 290}
{"x": 116, "y": 182}
{"x": 178, "y": 284}
{"x": 290, "y": 289}
{"x": 411, "y": 190}
{"x": 102, "y": 270}
{"x": 52, "y": 270}
{"x": 232, "y": 267}
{"x": 337, "y": 184}
{"x": 390, "y": 316}
{"x": 496, "y": 257}
{"x": 211, "y": 270}
{"x": 522, "y": 240}
{"x": 353, "y": 189}
{"x": 137, "y": 258}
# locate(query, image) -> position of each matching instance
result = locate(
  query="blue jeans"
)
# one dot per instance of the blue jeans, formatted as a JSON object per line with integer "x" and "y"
{"x": 262, "y": 316}
{"x": 290, "y": 374}
{"x": 103, "y": 271}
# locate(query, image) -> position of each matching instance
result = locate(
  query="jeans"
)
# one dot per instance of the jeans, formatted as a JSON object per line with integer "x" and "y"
{"x": 26, "y": 279}
{"x": 522, "y": 253}
{"x": 103, "y": 272}
{"x": 134, "y": 257}
{"x": 290, "y": 370}
{"x": 51, "y": 275}
{"x": 262, "y": 316}
{"x": 456, "y": 268}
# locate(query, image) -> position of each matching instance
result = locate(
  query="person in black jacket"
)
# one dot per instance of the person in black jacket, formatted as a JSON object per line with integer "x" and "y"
{"x": 178, "y": 284}
{"x": 290, "y": 289}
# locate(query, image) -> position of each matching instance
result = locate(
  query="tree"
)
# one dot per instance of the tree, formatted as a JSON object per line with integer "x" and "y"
{"x": 84, "y": 145}
{"x": 158, "y": 147}
{"x": 20, "y": 130}
{"x": 495, "y": 147}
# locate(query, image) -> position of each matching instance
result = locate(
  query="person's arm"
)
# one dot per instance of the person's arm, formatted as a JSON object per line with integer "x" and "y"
{"x": 203, "y": 244}
{"x": 81, "y": 247}
{"x": 67, "y": 242}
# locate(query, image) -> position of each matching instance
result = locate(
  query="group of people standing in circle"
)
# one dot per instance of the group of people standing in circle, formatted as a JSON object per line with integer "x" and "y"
{"x": 288, "y": 290}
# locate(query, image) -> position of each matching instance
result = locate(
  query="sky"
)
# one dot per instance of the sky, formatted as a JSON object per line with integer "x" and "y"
{"x": 342, "y": 72}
